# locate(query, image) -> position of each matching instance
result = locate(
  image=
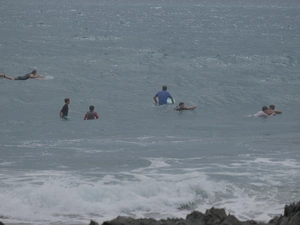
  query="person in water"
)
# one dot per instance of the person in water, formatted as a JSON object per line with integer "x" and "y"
{"x": 65, "y": 109}
{"x": 272, "y": 109}
{"x": 182, "y": 107}
{"x": 31, "y": 75}
{"x": 91, "y": 114}
{"x": 163, "y": 96}
{"x": 265, "y": 112}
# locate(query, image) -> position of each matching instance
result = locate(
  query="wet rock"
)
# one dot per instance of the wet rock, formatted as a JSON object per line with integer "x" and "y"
{"x": 214, "y": 216}
{"x": 295, "y": 220}
{"x": 93, "y": 223}
{"x": 231, "y": 220}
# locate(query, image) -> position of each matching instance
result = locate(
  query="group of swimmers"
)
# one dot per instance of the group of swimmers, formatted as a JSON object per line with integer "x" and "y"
{"x": 161, "y": 95}
{"x": 90, "y": 115}
{"x": 164, "y": 95}
{"x": 160, "y": 98}
{"x": 65, "y": 109}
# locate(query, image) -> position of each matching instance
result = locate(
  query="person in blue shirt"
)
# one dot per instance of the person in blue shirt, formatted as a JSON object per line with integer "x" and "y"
{"x": 163, "y": 96}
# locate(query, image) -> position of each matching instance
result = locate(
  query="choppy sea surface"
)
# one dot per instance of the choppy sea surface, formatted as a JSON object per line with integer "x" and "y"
{"x": 229, "y": 58}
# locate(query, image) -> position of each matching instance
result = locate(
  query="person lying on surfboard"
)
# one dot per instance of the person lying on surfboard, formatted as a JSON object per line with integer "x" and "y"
{"x": 182, "y": 107}
{"x": 31, "y": 75}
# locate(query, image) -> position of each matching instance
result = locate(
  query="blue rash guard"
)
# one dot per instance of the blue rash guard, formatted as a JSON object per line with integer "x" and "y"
{"x": 163, "y": 97}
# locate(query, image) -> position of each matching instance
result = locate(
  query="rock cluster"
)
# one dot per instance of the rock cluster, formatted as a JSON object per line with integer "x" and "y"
{"x": 213, "y": 216}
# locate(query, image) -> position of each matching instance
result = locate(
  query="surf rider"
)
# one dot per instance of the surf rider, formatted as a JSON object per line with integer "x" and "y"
{"x": 182, "y": 107}
{"x": 31, "y": 75}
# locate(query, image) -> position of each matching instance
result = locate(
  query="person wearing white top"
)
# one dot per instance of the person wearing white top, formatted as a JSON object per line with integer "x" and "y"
{"x": 265, "y": 112}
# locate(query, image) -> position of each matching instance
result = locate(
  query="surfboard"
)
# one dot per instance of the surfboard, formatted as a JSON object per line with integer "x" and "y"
{"x": 169, "y": 101}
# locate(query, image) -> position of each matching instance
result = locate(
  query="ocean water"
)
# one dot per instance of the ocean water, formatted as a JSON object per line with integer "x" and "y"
{"x": 229, "y": 58}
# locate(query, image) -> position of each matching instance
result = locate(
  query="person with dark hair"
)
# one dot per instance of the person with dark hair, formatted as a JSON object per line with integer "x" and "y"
{"x": 163, "y": 96}
{"x": 31, "y": 75}
{"x": 272, "y": 109}
{"x": 182, "y": 107}
{"x": 65, "y": 109}
{"x": 91, "y": 114}
{"x": 265, "y": 112}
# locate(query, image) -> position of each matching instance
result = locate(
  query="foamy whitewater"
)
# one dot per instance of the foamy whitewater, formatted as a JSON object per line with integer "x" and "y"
{"x": 229, "y": 58}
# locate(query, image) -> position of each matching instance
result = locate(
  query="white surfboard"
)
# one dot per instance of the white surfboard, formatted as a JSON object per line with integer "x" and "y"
{"x": 169, "y": 101}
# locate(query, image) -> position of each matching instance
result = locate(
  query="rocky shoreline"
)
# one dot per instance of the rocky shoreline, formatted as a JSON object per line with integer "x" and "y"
{"x": 213, "y": 216}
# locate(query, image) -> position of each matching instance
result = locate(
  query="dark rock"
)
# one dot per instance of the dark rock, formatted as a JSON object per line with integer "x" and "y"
{"x": 214, "y": 216}
{"x": 290, "y": 210}
{"x": 274, "y": 220}
{"x": 295, "y": 220}
{"x": 120, "y": 220}
{"x": 283, "y": 221}
{"x": 251, "y": 222}
{"x": 194, "y": 216}
{"x": 231, "y": 220}
{"x": 93, "y": 223}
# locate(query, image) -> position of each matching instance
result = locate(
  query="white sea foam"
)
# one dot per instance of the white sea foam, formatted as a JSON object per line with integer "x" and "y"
{"x": 57, "y": 197}
{"x": 157, "y": 163}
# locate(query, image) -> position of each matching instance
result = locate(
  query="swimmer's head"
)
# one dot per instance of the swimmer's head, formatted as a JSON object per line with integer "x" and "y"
{"x": 264, "y": 108}
{"x": 181, "y": 104}
{"x": 67, "y": 100}
{"x": 272, "y": 107}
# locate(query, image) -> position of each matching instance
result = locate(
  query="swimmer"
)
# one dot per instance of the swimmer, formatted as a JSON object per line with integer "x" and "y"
{"x": 31, "y": 75}
{"x": 163, "y": 96}
{"x": 65, "y": 109}
{"x": 182, "y": 107}
{"x": 265, "y": 112}
{"x": 91, "y": 114}
{"x": 272, "y": 109}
